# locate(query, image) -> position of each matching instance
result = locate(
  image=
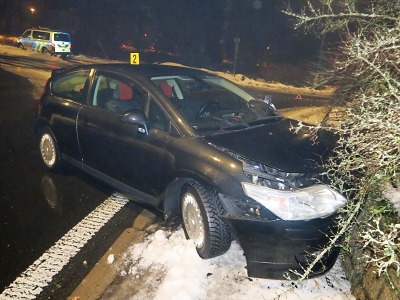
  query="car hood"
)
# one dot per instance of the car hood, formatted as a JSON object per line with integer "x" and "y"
{"x": 277, "y": 146}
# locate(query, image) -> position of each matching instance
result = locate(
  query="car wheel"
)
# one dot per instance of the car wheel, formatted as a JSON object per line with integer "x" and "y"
{"x": 49, "y": 150}
{"x": 45, "y": 50}
{"x": 201, "y": 209}
{"x": 20, "y": 45}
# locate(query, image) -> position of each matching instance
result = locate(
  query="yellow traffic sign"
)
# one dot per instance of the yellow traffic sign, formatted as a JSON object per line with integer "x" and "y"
{"x": 135, "y": 60}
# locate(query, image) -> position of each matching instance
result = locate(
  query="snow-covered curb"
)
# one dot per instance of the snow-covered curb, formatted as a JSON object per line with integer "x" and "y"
{"x": 168, "y": 267}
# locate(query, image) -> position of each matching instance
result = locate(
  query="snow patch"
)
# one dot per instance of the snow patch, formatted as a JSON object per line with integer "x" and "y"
{"x": 110, "y": 259}
{"x": 168, "y": 267}
{"x": 393, "y": 195}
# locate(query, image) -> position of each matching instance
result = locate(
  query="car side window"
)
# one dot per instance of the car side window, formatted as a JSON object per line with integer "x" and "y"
{"x": 157, "y": 118}
{"x": 116, "y": 95}
{"x": 71, "y": 86}
{"x": 26, "y": 34}
{"x": 41, "y": 35}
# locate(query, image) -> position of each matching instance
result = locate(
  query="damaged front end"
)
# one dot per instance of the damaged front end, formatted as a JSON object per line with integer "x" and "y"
{"x": 284, "y": 221}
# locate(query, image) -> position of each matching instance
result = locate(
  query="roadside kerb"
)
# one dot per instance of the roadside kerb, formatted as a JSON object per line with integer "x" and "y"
{"x": 103, "y": 273}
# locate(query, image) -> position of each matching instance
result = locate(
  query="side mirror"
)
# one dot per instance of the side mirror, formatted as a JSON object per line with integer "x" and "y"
{"x": 262, "y": 108}
{"x": 268, "y": 99}
{"x": 136, "y": 117}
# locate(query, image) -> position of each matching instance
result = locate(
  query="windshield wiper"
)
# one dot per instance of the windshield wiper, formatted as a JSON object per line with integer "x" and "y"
{"x": 232, "y": 127}
{"x": 236, "y": 126}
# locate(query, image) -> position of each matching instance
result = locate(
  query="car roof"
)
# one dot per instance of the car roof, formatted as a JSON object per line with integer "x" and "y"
{"x": 147, "y": 70}
{"x": 47, "y": 29}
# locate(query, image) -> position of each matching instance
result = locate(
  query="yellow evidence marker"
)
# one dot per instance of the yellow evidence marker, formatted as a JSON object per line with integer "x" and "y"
{"x": 135, "y": 58}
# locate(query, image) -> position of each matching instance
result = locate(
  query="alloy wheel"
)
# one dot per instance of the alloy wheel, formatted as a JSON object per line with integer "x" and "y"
{"x": 47, "y": 150}
{"x": 193, "y": 220}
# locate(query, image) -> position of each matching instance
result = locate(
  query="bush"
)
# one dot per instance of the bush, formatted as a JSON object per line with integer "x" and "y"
{"x": 365, "y": 67}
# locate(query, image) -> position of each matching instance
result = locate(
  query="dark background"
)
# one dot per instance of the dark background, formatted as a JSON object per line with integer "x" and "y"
{"x": 193, "y": 32}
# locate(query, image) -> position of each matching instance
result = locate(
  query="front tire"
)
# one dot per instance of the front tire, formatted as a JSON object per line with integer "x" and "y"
{"x": 201, "y": 209}
{"x": 49, "y": 150}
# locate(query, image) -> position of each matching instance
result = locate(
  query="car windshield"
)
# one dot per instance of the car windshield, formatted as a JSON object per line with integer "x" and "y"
{"x": 211, "y": 104}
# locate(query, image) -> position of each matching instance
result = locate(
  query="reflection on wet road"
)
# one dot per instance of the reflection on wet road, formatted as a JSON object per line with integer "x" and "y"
{"x": 32, "y": 281}
{"x": 38, "y": 208}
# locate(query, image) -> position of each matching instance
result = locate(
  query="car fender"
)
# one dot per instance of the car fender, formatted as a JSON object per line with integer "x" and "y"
{"x": 40, "y": 124}
{"x": 214, "y": 169}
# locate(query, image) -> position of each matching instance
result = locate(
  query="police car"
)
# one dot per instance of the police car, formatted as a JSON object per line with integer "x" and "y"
{"x": 45, "y": 40}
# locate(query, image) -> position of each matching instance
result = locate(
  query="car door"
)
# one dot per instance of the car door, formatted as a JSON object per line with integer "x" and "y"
{"x": 115, "y": 151}
{"x": 26, "y": 39}
{"x": 68, "y": 94}
{"x": 61, "y": 42}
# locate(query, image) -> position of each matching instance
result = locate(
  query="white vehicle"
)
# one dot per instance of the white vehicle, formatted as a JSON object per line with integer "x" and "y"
{"x": 45, "y": 40}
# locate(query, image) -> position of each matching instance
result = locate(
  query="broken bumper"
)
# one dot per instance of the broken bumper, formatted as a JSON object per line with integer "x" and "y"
{"x": 275, "y": 248}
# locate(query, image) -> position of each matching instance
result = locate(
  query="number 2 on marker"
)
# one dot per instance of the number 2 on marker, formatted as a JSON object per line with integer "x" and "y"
{"x": 135, "y": 58}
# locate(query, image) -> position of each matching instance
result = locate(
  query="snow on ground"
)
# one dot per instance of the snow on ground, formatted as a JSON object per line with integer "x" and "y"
{"x": 277, "y": 87}
{"x": 393, "y": 195}
{"x": 167, "y": 266}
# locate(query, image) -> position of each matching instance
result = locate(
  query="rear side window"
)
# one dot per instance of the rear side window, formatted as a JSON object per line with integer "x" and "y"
{"x": 41, "y": 35}
{"x": 71, "y": 86}
{"x": 61, "y": 37}
{"x": 116, "y": 94}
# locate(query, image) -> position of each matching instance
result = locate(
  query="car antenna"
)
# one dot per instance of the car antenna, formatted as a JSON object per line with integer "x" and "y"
{"x": 102, "y": 49}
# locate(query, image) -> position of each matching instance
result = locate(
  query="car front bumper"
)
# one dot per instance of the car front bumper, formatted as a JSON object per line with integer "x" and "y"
{"x": 275, "y": 248}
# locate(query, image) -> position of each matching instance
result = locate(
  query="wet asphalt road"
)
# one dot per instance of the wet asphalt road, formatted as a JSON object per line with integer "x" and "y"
{"x": 38, "y": 207}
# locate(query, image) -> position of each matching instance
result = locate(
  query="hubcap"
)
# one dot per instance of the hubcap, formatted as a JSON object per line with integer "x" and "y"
{"x": 192, "y": 219}
{"x": 47, "y": 149}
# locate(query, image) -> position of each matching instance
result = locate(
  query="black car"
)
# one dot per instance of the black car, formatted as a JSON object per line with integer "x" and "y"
{"x": 193, "y": 145}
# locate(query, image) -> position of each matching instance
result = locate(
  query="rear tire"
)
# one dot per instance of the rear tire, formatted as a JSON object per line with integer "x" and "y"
{"x": 201, "y": 209}
{"x": 49, "y": 150}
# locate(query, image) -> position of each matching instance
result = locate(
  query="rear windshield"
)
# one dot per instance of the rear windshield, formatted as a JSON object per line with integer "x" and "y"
{"x": 61, "y": 37}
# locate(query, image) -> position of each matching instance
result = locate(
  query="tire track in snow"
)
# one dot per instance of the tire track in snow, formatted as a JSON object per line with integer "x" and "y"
{"x": 37, "y": 276}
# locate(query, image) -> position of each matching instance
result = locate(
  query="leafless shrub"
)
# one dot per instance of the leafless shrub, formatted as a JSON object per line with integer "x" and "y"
{"x": 365, "y": 68}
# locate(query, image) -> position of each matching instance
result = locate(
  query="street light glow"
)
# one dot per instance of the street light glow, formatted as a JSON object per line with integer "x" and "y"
{"x": 32, "y": 10}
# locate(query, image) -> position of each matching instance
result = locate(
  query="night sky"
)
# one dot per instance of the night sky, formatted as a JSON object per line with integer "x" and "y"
{"x": 197, "y": 31}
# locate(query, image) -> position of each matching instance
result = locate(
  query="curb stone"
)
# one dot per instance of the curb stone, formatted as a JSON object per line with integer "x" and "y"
{"x": 104, "y": 273}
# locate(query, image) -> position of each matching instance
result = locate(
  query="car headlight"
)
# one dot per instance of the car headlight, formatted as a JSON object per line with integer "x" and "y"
{"x": 309, "y": 203}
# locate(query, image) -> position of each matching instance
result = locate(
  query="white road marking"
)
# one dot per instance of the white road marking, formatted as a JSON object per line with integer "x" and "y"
{"x": 37, "y": 276}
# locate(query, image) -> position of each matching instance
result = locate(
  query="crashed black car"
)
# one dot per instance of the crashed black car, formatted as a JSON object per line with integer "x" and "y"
{"x": 196, "y": 146}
